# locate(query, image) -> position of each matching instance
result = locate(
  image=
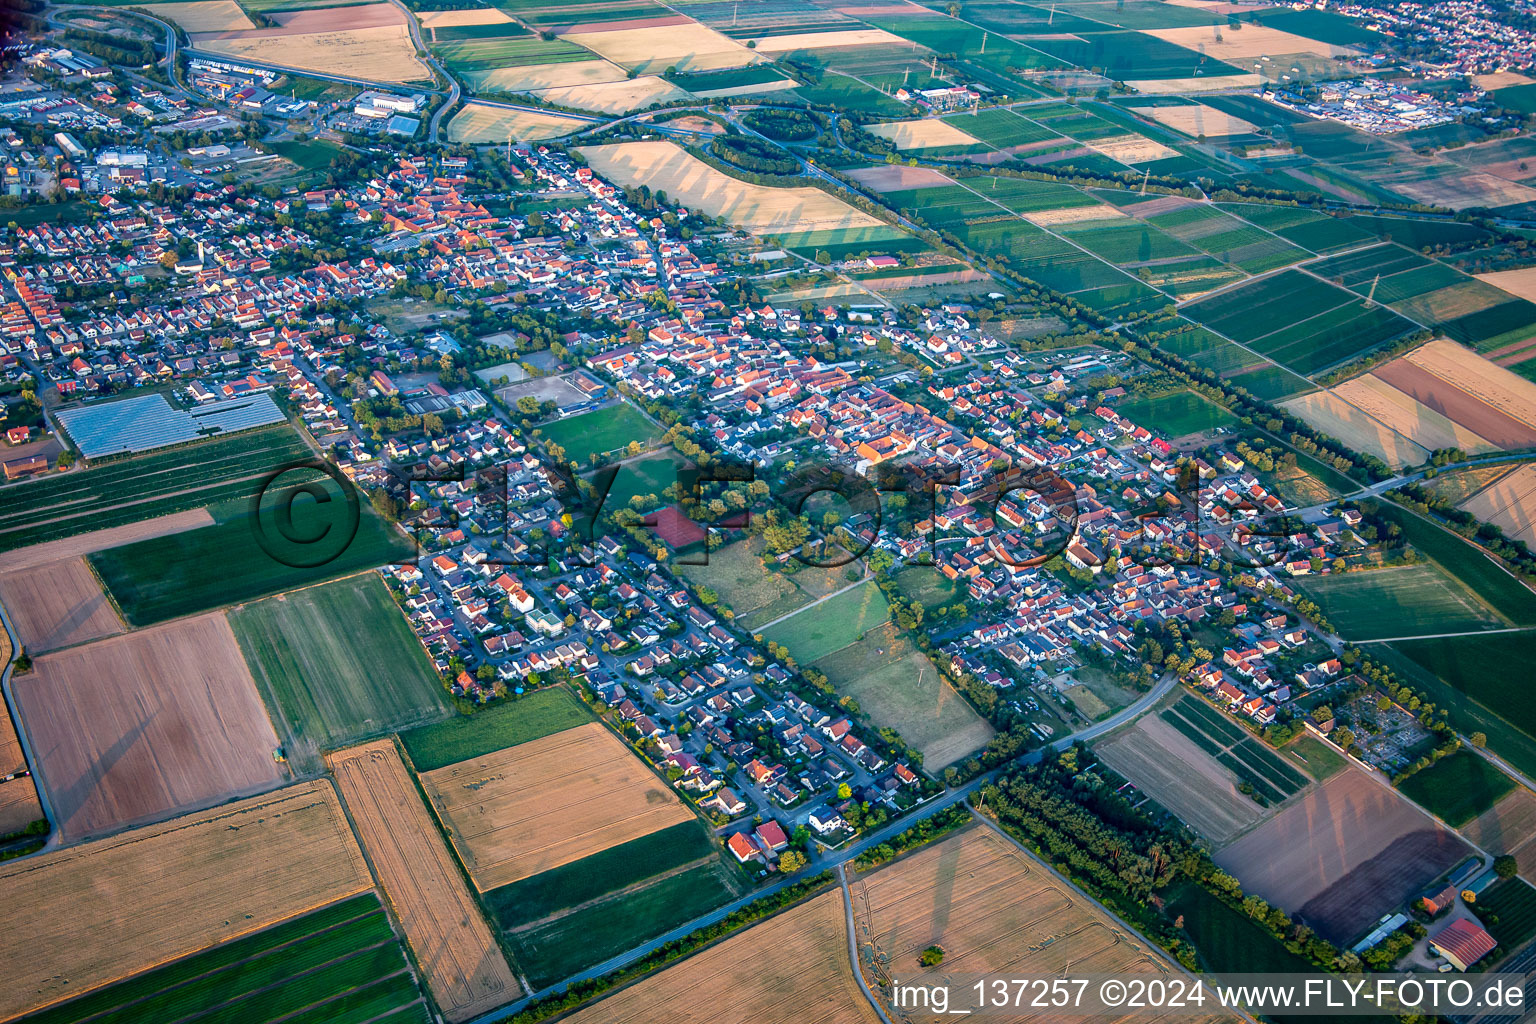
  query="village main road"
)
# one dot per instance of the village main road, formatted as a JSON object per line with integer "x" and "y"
{"x": 832, "y": 860}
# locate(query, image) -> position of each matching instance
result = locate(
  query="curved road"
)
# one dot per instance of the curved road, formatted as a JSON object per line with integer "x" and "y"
{"x": 831, "y": 860}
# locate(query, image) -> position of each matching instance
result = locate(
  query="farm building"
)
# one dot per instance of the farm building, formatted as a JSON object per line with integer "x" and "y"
{"x": 1462, "y": 943}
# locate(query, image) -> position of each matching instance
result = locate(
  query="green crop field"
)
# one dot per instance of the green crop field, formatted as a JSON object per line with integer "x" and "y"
{"x": 898, "y": 687}
{"x": 540, "y": 713}
{"x": 1246, "y": 756}
{"x": 1478, "y": 667}
{"x": 1458, "y": 787}
{"x": 1126, "y": 243}
{"x": 833, "y": 624}
{"x": 1402, "y": 600}
{"x": 557, "y": 948}
{"x": 126, "y": 490}
{"x": 1465, "y": 561}
{"x": 1002, "y": 128}
{"x": 1176, "y": 413}
{"x": 341, "y": 964}
{"x": 986, "y": 50}
{"x": 600, "y": 432}
{"x": 1228, "y": 939}
{"x": 1132, "y": 55}
{"x": 584, "y": 880}
{"x": 1299, "y": 321}
{"x": 506, "y": 51}
{"x": 338, "y": 663}
{"x": 253, "y": 553}
{"x": 1508, "y": 908}
{"x": 646, "y": 477}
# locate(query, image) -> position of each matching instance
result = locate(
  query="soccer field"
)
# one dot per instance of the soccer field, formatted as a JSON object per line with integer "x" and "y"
{"x": 1405, "y": 600}
{"x": 596, "y": 433}
{"x": 338, "y": 662}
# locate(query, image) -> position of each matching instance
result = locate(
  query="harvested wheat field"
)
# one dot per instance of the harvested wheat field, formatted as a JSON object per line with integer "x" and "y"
{"x": 1509, "y": 503}
{"x": 1521, "y": 283}
{"x": 616, "y": 97}
{"x": 1409, "y": 417}
{"x": 548, "y": 802}
{"x": 1073, "y": 215}
{"x": 827, "y": 40}
{"x": 1357, "y": 429}
{"x": 1180, "y": 776}
{"x": 1508, "y": 827}
{"x": 692, "y": 183}
{"x": 533, "y": 77}
{"x": 453, "y": 19}
{"x": 993, "y": 910}
{"x": 1511, "y": 396}
{"x": 1464, "y": 189}
{"x": 929, "y": 133}
{"x": 463, "y": 964}
{"x": 19, "y": 805}
{"x": 1204, "y": 83}
{"x": 57, "y": 605}
{"x": 687, "y": 47}
{"x": 1198, "y": 119}
{"x": 480, "y": 123}
{"x": 364, "y": 41}
{"x": 203, "y": 15}
{"x": 145, "y": 725}
{"x": 1225, "y": 43}
{"x": 789, "y": 969}
{"x": 153, "y": 894}
{"x": 1501, "y": 80}
{"x": 1344, "y": 854}
{"x": 1132, "y": 149}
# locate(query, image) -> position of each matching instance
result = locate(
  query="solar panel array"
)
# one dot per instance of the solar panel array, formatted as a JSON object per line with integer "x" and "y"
{"x": 147, "y": 422}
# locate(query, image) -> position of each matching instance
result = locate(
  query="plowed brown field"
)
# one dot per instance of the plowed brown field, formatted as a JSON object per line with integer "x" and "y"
{"x": 57, "y": 605}
{"x": 145, "y": 725}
